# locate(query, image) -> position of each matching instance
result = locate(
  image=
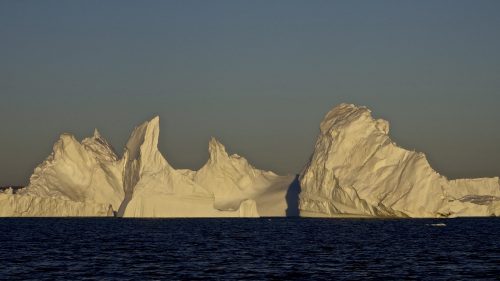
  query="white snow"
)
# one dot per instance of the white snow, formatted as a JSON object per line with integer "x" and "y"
{"x": 356, "y": 170}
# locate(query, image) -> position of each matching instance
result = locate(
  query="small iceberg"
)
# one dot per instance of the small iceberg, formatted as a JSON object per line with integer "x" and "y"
{"x": 437, "y": 224}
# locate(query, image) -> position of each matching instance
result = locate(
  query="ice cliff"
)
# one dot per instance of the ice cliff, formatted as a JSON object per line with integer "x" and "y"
{"x": 356, "y": 170}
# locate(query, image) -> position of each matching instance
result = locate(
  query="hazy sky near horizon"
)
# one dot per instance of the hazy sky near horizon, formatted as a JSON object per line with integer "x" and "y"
{"x": 258, "y": 75}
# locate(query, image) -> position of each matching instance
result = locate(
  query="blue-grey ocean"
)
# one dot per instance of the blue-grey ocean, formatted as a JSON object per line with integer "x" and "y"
{"x": 249, "y": 249}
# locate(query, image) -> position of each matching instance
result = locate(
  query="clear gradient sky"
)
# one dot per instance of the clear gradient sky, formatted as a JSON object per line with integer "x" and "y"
{"x": 258, "y": 75}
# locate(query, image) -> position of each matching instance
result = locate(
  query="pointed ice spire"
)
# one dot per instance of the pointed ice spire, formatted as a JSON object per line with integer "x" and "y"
{"x": 144, "y": 138}
{"x": 97, "y": 135}
{"x": 100, "y": 147}
{"x": 152, "y": 133}
{"x": 216, "y": 150}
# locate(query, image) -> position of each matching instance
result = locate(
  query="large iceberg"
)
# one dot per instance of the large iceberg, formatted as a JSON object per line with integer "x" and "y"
{"x": 356, "y": 170}
{"x": 88, "y": 179}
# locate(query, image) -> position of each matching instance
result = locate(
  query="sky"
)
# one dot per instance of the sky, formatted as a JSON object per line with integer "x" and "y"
{"x": 257, "y": 75}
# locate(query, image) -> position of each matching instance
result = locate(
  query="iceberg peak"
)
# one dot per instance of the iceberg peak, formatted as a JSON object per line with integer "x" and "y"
{"x": 346, "y": 114}
{"x": 97, "y": 135}
{"x": 100, "y": 148}
{"x": 144, "y": 139}
{"x": 216, "y": 150}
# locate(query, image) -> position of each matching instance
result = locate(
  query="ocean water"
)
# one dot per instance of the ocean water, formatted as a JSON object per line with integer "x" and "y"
{"x": 249, "y": 249}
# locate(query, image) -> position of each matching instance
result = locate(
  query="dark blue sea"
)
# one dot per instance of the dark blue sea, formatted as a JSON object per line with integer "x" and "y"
{"x": 249, "y": 249}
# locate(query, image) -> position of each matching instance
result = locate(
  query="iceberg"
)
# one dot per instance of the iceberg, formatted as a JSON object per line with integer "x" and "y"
{"x": 77, "y": 179}
{"x": 226, "y": 186}
{"x": 153, "y": 188}
{"x": 231, "y": 179}
{"x": 356, "y": 170}
{"x": 87, "y": 178}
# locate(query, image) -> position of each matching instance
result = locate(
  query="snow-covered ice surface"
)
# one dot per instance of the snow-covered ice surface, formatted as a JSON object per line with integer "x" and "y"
{"x": 356, "y": 170}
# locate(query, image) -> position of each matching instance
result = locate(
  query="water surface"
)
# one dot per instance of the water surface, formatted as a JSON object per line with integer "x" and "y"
{"x": 252, "y": 249}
